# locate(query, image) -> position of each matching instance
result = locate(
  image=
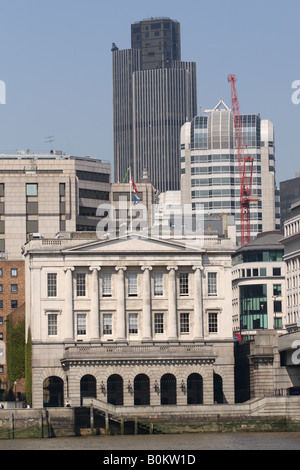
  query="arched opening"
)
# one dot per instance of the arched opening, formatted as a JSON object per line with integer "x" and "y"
{"x": 88, "y": 387}
{"x": 142, "y": 390}
{"x": 218, "y": 389}
{"x": 115, "y": 390}
{"x": 53, "y": 392}
{"x": 168, "y": 389}
{"x": 195, "y": 389}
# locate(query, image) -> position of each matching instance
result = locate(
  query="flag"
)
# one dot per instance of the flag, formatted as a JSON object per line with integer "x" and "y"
{"x": 124, "y": 180}
{"x": 136, "y": 198}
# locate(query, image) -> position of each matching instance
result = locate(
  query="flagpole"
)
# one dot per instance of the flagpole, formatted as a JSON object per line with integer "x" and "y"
{"x": 130, "y": 206}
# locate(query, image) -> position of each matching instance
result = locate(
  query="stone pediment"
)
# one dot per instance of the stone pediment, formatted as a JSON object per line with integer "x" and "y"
{"x": 131, "y": 244}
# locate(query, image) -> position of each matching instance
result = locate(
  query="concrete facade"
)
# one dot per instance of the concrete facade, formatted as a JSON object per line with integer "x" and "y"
{"x": 46, "y": 193}
{"x": 149, "y": 325}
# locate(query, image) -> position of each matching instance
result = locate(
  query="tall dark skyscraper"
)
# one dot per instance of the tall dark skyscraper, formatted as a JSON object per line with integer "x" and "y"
{"x": 154, "y": 94}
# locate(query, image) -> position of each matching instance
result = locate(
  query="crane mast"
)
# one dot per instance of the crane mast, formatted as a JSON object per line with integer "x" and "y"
{"x": 245, "y": 165}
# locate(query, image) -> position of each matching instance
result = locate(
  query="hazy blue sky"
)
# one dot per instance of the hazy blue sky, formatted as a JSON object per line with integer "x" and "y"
{"x": 55, "y": 60}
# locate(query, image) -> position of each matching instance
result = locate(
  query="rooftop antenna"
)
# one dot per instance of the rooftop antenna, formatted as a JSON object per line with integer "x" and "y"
{"x": 50, "y": 140}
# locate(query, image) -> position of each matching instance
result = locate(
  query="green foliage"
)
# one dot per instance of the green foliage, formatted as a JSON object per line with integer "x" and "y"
{"x": 15, "y": 343}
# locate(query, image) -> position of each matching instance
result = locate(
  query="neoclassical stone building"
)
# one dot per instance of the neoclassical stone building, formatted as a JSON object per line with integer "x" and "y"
{"x": 131, "y": 321}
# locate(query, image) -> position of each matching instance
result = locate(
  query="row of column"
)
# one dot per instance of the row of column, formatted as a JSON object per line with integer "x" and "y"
{"x": 121, "y": 306}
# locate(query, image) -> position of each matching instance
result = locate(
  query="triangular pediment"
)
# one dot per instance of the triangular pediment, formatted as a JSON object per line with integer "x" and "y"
{"x": 131, "y": 244}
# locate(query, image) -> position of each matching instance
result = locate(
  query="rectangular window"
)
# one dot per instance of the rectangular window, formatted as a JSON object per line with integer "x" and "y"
{"x": 276, "y": 271}
{"x": 14, "y": 304}
{"x": 158, "y": 284}
{"x": 52, "y": 324}
{"x": 263, "y": 271}
{"x": 51, "y": 284}
{"x": 1, "y": 288}
{"x": 81, "y": 324}
{"x": 1, "y": 370}
{"x": 277, "y": 289}
{"x": 31, "y": 189}
{"x": 1, "y": 320}
{"x": 158, "y": 323}
{"x": 14, "y": 272}
{"x": 106, "y": 285}
{"x": 1, "y": 336}
{"x": 277, "y": 306}
{"x": 133, "y": 323}
{"x": 1, "y": 272}
{"x": 212, "y": 283}
{"x": 184, "y": 323}
{"x": 212, "y": 322}
{"x": 14, "y": 288}
{"x": 107, "y": 324}
{"x": 183, "y": 284}
{"x": 80, "y": 284}
{"x": 1, "y": 304}
{"x": 132, "y": 284}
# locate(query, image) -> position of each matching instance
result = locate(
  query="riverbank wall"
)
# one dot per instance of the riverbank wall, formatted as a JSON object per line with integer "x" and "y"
{"x": 259, "y": 415}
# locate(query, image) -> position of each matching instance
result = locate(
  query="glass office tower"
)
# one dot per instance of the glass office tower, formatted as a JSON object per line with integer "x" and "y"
{"x": 210, "y": 172}
{"x": 154, "y": 94}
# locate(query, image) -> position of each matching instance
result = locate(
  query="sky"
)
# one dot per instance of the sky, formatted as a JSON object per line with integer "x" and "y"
{"x": 55, "y": 64}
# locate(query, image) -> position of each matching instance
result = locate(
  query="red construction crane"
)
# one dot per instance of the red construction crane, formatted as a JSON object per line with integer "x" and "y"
{"x": 245, "y": 166}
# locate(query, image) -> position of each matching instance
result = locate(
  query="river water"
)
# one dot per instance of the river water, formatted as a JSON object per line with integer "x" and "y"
{"x": 163, "y": 442}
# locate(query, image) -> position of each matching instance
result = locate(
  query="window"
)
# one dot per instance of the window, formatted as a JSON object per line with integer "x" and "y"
{"x": 158, "y": 284}
{"x": 31, "y": 189}
{"x": 132, "y": 284}
{"x": 14, "y": 304}
{"x": 277, "y": 289}
{"x": 212, "y": 283}
{"x": 14, "y": 288}
{"x": 183, "y": 284}
{"x": 1, "y": 304}
{"x": 133, "y": 323}
{"x": 14, "y": 272}
{"x": 1, "y": 370}
{"x": 1, "y": 320}
{"x": 276, "y": 271}
{"x": 158, "y": 323}
{"x": 1, "y": 336}
{"x": 107, "y": 323}
{"x": 263, "y": 271}
{"x": 277, "y": 306}
{"x": 1, "y": 288}
{"x": 184, "y": 323}
{"x": 106, "y": 285}
{"x": 81, "y": 324}
{"x": 52, "y": 324}
{"x": 212, "y": 322}
{"x": 1, "y": 272}
{"x": 51, "y": 284}
{"x": 80, "y": 284}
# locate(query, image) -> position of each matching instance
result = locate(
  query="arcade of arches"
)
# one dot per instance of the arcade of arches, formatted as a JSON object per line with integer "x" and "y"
{"x": 115, "y": 388}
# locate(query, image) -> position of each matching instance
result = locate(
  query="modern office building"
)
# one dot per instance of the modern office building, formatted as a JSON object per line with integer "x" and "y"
{"x": 129, "y": 321}
{"x": 258, "y": 285}
{"x": 48, "y": 193}
{"x": 210, "y": 172}
{"x": 289, "y": 193}
{"x": 154, "y": 94}
{"x": 291, "y": 243}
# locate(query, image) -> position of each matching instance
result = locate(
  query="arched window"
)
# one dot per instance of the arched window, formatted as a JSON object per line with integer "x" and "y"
{"x": 142, "y": 390}
{"x": 194, "y": 389}
{"x": 218, "y": 389}
{"x": 115, "y": 389}
{"x": 168, "y": 389}
{"x": 53, "y": 392}
{"x": 88, "y": 387}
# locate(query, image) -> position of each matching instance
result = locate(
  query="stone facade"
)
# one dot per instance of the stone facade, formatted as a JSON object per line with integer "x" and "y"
{"x": 129, "y": 321}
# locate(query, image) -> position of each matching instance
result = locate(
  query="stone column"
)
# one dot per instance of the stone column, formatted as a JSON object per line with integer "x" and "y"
{"x": 146, "y": 323}
{"x": 172, "y": 318}
{"x": 94, "y": 319}
{"x": 198, "y": 304}
{"x": 68, "y": 310}
{"x": 121, "y": 312}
